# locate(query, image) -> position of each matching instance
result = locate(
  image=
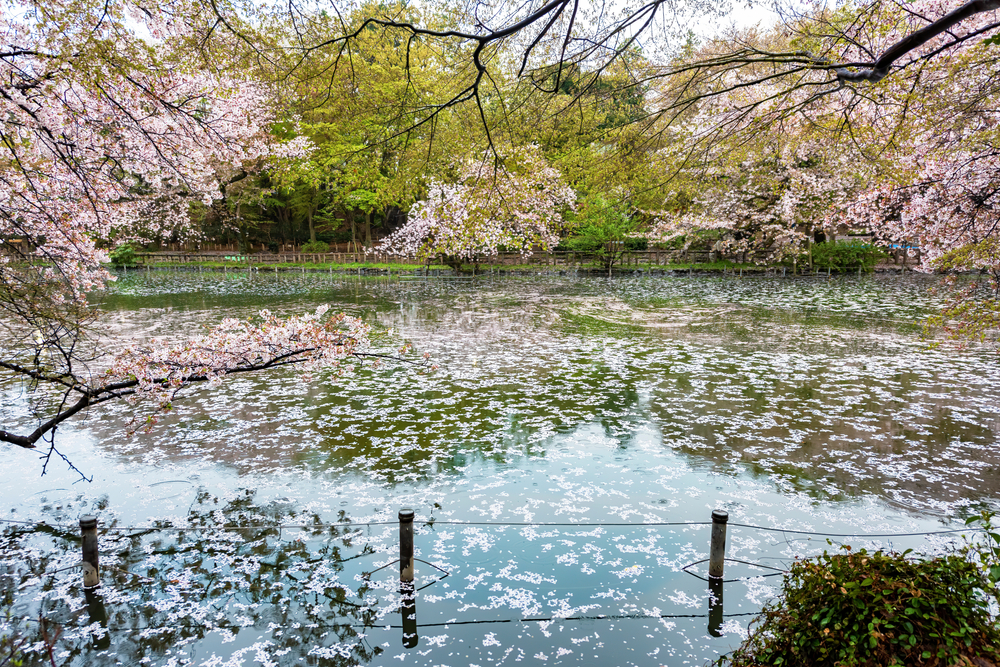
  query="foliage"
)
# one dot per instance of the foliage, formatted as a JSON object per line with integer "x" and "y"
{"x": 111, "y": 134}
{"x": 603, "y": 228}
{"x": 514, "y": 201}
{"x": 123, "y": 255}
{"x": 758, "y": 200}
{"x": 875, "y": 609}
{"x": 316, "y": 246}
{"x": 847, "y": 254}
{"x": 362, "y": 110}
{"x": 986, "y": 549}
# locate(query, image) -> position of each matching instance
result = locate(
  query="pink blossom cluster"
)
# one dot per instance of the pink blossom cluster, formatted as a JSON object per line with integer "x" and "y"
{"x": 154, "y": 372}
{"x": 911, "y": 156}
{"x": 951, "y": 204}
{"x": 770, "y": 206}
{"x": 108, "y": 136}
{"x": 518, "y": 205}
{"x": 936, "y": 128}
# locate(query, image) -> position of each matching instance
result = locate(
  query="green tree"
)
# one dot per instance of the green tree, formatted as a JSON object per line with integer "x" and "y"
{"x": 603, "y": 229}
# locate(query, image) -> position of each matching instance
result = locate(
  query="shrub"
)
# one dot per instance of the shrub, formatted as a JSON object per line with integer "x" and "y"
{"x": 123, "y": 255}
{"x": 869, "y": 609}
{"x": 582, "y": 244}
{"x": 316, "y": 246}
{"x": 589, "y": 244}
{"x": 847, "y": 255}
{"x": 603, "y": 227}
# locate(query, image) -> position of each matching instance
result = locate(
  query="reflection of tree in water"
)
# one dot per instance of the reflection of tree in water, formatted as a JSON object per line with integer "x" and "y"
{"x": 832, "y": 440}
{"x": 822, "y": 395}
{"x": 213, "y": 578}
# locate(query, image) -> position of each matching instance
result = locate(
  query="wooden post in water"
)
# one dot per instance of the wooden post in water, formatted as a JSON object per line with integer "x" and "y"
{"x": 715, "y": 610}
{"x": 406, "y": 545}
{"x": 91, "y": 558}
{"x": 717, "y": 554}
{"x": 716, "y": 563}
{"x": 407, "y": 588}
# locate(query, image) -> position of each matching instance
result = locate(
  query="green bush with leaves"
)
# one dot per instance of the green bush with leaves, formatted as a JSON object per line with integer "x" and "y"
{"x": 603, "y": 228}
{"x": 847, "y": 255}
{"x": 123, "y": 255}
{"x": 873, "y": 609}
{"x": 695, "y": 239}
{"x": 316, "y": 246}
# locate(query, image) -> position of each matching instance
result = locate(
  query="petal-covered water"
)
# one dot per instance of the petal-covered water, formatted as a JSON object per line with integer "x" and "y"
{"x": 615, "y": 411}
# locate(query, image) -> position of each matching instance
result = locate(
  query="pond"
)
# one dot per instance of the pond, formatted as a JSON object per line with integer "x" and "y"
{"x": 563, "y": 462}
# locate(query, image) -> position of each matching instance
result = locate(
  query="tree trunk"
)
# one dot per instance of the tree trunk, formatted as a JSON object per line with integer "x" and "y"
{"x": 312, "y": 228}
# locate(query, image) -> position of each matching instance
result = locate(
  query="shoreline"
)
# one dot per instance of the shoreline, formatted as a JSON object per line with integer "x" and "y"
{"x": 677, "y": 270}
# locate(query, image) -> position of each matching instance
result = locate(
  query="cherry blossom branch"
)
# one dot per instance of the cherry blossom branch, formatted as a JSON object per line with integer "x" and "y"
{"x": 156, "y": 372}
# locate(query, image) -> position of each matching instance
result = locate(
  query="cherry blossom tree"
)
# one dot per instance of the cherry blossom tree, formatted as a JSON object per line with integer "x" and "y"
{"x": 765, "y": 205}
{"x": 111, "y": 123}
{"x": 948, "y": 209}
{"x": 908, "y": 138}
{"x": 514, "y": 201}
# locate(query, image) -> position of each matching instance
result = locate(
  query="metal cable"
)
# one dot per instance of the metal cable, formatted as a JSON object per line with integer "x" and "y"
{"x": 432, "y": 522}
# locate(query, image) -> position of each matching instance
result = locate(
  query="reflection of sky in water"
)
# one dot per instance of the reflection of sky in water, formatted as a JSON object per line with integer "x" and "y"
{"x": 802, "y": 404}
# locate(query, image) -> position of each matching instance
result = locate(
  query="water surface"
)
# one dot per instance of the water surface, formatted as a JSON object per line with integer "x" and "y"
{"x": 794, "y": 404}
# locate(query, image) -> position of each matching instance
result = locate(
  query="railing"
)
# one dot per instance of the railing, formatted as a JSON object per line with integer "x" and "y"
{"x": 90, "y": 565}
{"x": 555, "y": 258}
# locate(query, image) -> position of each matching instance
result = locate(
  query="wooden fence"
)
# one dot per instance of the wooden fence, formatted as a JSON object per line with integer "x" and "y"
{"x": 637, "y": 258}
